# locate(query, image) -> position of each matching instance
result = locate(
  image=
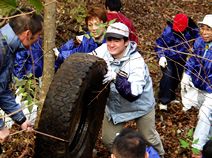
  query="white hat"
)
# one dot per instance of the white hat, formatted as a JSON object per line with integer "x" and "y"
{"x": 117, "y": 30}
{"x": 207, "y": 20}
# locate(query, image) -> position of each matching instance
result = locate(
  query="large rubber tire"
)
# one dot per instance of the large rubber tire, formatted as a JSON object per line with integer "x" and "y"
{"x": 70, "y": 111}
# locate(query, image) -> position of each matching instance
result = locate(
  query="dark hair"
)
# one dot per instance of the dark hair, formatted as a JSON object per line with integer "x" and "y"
{"x": 129, "y": 144}
{"x": 111, "y": 38}
{"x": 207, "y": 149}
{"x": 113, "y": 5}
{"x": 29, "y": 21}
{"x": 97, "y": 12}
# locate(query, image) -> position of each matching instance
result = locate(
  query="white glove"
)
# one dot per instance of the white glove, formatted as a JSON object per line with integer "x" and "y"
{"x": 163, "y": 62}
{"x": 56, "y": 52}
{"x": 110, "y": 76}
{"x": 186, "y": 81}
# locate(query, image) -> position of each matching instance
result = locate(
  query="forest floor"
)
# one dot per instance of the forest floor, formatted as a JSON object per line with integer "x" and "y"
{"x": 149, "y": 18}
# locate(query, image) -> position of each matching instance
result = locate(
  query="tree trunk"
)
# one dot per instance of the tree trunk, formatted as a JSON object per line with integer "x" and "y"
{"x": 48, "y": 45}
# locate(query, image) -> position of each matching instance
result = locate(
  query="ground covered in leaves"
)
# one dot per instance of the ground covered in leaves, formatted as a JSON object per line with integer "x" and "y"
{"x": 149, "y": 18}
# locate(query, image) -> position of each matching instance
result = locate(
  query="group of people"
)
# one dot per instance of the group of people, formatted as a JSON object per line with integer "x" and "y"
{"x": 184, "y": 52}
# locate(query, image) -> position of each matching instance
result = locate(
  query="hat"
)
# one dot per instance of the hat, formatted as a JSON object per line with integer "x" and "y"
{"x": 207, "y": 20}
{"x": 180, "y": 22}
{"x": 117, "y": 30}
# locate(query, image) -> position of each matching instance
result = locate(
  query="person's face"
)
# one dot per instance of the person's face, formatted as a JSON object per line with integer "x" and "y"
{"x": 116, "y": 47}
{"x": 27, "y": 39}
{"x": 206, "y": 33}
{"x": 95, "y": 28}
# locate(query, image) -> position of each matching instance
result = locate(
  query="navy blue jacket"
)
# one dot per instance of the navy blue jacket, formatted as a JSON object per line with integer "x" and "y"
{"x": 9, "y": 44}
{"x": 29, "y": 61}
{"x": 199, "y": 67}
{"x": 170, "y": 44}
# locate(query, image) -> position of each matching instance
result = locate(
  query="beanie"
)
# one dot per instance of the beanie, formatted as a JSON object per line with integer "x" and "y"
{"x": 180, "y": 22}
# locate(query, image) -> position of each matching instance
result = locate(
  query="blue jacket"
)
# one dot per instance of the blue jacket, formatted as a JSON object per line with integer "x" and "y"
{"x": 152, "y": 152}
{"x": 29, "y": 61}
{"x": 200, "y": 69}
{"x": 9, "y": 44}
{"x": 87, "y": 45}
{"x": 170, "y": 44}
{"x": 131, "y": 95}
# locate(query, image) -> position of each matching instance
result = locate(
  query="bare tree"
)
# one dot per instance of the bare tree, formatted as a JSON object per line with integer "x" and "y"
{"x": 48, "y": 44}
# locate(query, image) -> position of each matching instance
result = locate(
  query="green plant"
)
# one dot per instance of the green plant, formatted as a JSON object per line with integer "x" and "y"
{"x": 187, "y": 142}
{"x": 9, "y": 6}
{"x": 27, "y": 89}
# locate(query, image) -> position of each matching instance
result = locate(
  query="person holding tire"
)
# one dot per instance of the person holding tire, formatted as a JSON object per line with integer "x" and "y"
{"x": 131, "y": 93}
{"x": 20, "y": 33}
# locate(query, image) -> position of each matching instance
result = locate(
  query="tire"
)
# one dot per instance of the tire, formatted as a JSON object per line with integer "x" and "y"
{"x": 70, "y": 111}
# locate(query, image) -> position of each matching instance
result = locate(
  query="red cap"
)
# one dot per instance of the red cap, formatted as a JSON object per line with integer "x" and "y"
{"x": 180, "y": 22}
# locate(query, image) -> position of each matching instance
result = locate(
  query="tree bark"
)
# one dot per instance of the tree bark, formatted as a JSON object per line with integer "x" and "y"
{"x": 48, "y": 45}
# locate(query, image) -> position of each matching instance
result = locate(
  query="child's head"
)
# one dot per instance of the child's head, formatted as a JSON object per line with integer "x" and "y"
{"x": 129, "y": 144}
{"x": 207, "y": 150}
{"x": 95, "y": 17}
{"x": 113, "y": 5}
{"x": 206, "y": 28}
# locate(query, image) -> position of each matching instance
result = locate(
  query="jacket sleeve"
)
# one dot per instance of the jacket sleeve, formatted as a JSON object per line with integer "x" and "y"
{"x": 124, "y": 87}
{"x": 65, "y": 51}
{"x": 132, "y": 87}
{"x": 162, "y": 43}
{"x": 36, "y": 67}
{"x": 19, "y": 69}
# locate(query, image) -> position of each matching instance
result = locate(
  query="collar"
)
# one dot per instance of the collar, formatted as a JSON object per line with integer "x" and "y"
{"x": 11, "y": 38}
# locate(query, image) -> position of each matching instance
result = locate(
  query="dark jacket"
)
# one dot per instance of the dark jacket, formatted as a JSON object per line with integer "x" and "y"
{"x": 176, "y": 45}
{"x": 199, "y": 67}
{"x": 29, "y": 61}
{"x": 87, "y": 45}
{"x": 9, "y": 44}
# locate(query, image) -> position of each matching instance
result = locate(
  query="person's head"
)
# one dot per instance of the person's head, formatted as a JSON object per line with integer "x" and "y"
{"x": 129, "y": 144}
{"x": 117, "y": 39}
{"x": 95, "y": 17}
{"x": 206, "y": 28}
{"x": 113, "y": 5}
{"x": 180, "y": 22}
{"x": 207, "y": 149}
{"x": 27, "y": 26}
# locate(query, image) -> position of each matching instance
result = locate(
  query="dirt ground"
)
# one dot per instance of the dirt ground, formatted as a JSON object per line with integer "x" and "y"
{"x": 149, "y": 18}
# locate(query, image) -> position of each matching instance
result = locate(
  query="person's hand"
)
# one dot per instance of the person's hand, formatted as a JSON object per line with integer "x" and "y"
{"x": 110, "y": 76}
{"x": 26, "y": 125}
{"x": 163, "y": 62}
{"x": 4, "y": 133}
{"x": 196, "y": 156}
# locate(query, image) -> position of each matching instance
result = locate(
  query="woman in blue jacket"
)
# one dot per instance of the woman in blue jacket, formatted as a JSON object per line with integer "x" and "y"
{"x": 172, "y": 48}
{"x": 90, "y": 41}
